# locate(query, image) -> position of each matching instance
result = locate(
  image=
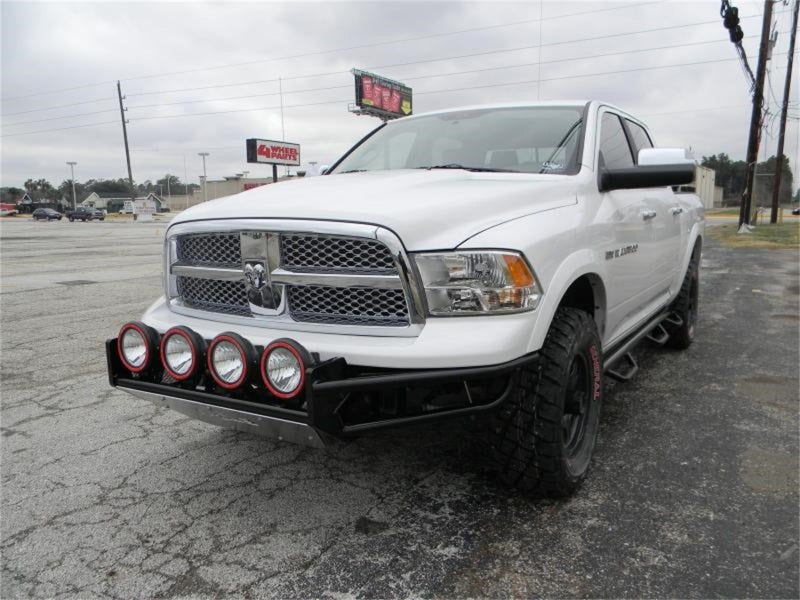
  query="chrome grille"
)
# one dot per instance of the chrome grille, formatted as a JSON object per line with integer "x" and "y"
{"x": 347, "y": 306}
{"x": 228, "y": 297}
{"x": 218, "y": 249}
{"x": 208, "y": 271}
{"x": 300, "y": 252}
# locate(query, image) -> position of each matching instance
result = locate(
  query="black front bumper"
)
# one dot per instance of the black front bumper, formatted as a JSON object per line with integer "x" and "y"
{"x": 338, "y": 400}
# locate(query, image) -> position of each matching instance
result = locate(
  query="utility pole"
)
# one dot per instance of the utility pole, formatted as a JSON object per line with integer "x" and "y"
{"x": 205, "y": 177}
{"x": 125, "y": 137}
{"x": 72, "y": 171}
{"x": 776, "y": 186}
{"x": 756, "y": 116}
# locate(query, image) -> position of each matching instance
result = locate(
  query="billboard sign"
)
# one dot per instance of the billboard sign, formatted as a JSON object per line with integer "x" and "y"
{"x": 381, "y": 97}
{"x": 273, "y": 153}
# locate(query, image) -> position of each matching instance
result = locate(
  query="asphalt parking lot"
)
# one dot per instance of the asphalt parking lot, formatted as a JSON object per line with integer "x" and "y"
{"x": 693, "y": 492}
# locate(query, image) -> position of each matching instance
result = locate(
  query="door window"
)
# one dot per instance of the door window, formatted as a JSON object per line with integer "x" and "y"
{"x": 639, "y": 137}
{"x": 615, "y": 153}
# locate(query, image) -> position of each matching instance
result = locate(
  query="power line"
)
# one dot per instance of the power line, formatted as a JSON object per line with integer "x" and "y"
{"x": 340, "y": 101}
{"x": 417, "y": 77}
{"x": 24, "y": 112}
{"x": 59, "y": 129}
{"x": 344, "y": 49}
{"x": 563, "y": 77}
{"x": 86, "y": 114}
{"x": 485, "y": 53}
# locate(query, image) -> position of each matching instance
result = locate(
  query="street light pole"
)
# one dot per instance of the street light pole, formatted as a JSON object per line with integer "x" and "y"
{"x": 72, "y": 171}
{"x": 185, "y": 182}
{"x": 205, "y": 177}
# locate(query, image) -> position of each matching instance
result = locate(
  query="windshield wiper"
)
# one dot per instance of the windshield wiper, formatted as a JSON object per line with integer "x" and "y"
{"x": 353, "y": 171}
{"x": 473, "y": 169}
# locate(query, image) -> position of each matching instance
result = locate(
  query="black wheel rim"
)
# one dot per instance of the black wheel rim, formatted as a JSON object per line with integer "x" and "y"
{"x": 576, "y": 406}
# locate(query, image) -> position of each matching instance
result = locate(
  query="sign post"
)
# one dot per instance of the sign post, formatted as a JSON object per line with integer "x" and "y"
{"x": 270, "y": 152}
{"x": 381, "y": 97}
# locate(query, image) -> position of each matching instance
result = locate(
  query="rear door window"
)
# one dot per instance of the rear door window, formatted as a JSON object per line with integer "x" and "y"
{"x": 639, "y": 136}
{"x": 615, "y": 153}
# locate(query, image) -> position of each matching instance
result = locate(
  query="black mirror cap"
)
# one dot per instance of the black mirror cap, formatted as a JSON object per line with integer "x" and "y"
{"x": 646, "y": 176}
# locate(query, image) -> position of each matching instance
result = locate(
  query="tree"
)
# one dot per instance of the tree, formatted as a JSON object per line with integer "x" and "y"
{"x": 65, "y": 190}
{"x": 765, "y": 182}
{"x": 42, "y": 187}
{"x": 732, "y": 176}
{"x": 108, "y": 185}
{"x": 11, "y": 195}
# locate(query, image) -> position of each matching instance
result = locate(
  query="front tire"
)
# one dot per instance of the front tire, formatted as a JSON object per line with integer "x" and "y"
{"x": 544, "y": 435}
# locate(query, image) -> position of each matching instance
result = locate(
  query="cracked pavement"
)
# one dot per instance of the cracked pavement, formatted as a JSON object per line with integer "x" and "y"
{"x": 693, "y": 491}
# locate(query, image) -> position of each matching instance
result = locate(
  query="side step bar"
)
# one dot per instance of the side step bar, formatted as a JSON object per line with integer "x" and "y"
{"x": 658, "y": 335}
{"x": 653, "y": 329}
{"x": 633, "y": 367}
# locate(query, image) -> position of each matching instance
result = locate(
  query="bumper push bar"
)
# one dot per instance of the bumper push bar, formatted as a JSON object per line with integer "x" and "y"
{"x": 338, "y": 400}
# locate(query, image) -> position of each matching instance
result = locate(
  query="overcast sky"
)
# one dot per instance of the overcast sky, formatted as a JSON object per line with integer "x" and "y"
{"x": 241, "y": 49}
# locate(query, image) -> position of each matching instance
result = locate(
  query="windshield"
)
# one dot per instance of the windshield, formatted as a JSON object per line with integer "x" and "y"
{"x": 518, "y": 140}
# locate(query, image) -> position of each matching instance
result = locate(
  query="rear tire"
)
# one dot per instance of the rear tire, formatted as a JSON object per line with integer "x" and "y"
{"x": 685, "y": 307}
{"x": 544, "y": 435}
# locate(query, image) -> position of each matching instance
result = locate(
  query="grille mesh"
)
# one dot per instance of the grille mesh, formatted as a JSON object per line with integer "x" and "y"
{"x": 309, "y": 253}
{"x": 348, "y": 306}
{"x": 228, "y": 297}
{"x": 220, "y": 249}
{"x": 317, "y": 253}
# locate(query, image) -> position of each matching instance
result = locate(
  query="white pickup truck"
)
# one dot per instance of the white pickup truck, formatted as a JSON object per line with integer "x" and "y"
{"x": 496, "y": 261}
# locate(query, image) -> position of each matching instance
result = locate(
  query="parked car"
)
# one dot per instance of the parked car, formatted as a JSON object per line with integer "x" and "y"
{"x": 46, "y": 214}
{"x": 86, "y": 213}
{"x": 8, "y": 209}
{"x": 495, "y": 262}
{"x": 796, "y": 211}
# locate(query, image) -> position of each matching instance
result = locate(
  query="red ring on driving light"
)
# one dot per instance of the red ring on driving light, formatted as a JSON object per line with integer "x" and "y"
{"x": 146, "y": 336}
{"x": 184, "y": 333}
{"x": 298, "y": 352}
{"x": 232, "y": 338}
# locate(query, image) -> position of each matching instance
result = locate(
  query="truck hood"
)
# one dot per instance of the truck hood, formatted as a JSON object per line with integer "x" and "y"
{"x": 434, "y": 209}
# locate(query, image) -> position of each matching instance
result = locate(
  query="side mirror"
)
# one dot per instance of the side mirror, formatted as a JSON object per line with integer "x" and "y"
{"x": 658, "y": 167}
{"x": 323, "y": 170}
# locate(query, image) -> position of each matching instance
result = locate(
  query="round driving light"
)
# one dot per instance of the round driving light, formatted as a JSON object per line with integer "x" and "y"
{"x": 283, "y": 368}
{"x": 228, "y": 357}
{"x": 134, "y": 346}
{"x": 181, "y": 352}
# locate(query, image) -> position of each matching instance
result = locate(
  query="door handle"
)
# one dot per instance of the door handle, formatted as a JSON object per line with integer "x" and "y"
{"x": 676, "y": 210}
{"x": 648, "y": 214}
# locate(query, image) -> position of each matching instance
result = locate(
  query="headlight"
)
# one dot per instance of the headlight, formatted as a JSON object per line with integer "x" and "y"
{"x": 488, "y": 282}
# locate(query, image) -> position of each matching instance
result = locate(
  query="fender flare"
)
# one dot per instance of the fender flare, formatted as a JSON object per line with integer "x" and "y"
{"x": 580, "y": 263}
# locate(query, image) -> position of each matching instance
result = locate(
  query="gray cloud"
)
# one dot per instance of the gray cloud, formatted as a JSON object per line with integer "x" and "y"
{"x": 47, "y": 46}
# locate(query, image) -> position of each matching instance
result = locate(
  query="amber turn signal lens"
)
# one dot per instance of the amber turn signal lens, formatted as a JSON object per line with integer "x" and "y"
{"x": 520, "y": 274}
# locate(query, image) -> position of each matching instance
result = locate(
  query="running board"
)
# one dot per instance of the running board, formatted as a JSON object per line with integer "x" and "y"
{"x": 658, "y": 335}
{"x": 633, "y": 367}
{"x": 623, "y": 350}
